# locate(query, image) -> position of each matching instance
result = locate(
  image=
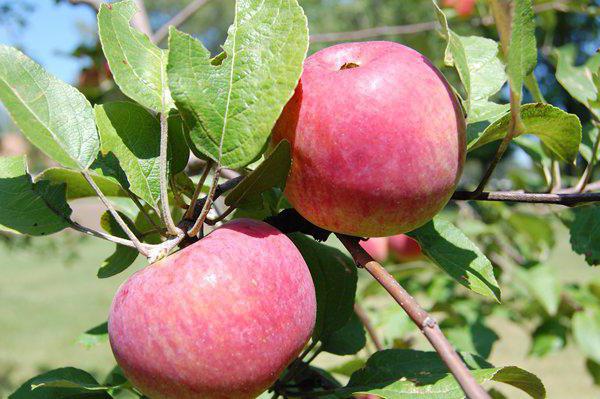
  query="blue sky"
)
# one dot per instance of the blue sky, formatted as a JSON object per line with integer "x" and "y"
{"x": 52, "y": 32}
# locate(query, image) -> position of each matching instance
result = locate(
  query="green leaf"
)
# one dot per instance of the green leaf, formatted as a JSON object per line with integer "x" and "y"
{"x": 543, "y": 285}
{"x": 348, "y": 340}
{"x": 593, "y": 369}
{"x": 77, "y": 186}
{"x": 94, "y": 336}
{"x": 455, "y": 54}
{"x": 558, "y": 130}
{"x": 473, "y": 338}
{"x": 578, "y": 80}
{"x": 534, "y": 149}
{"x": 585, "y": 232}
{"x": 138, "y": 65}
{"x": 54, "y": 116}
{"x": 27, "y": 207}
{"x": 586, "y": 330}
{"x": 132, "y": 134}
{"x": 549, "y": 337}
{"x": 487, "y": 78}
{"x": 408, "y": 374}
{"x": 590, "y": 135}
{"x": 231, "y": 103}
{"x": 179, "y": 152}
{"x": 522, "y": 53}
{"x": 531, "y": 234}
{"x": 272, "y": 172}
{"x": 124, "y": 256}
{"x": 479, "y": 68}
{"x": 334, "y": 275}
{"x": 450, "y": 249}
{"x": 63, "y": 383}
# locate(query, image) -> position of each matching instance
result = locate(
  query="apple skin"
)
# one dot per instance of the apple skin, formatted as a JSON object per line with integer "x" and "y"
{"x": 404, "y": 248}
{"x": 378, "y": 149}
{"x": 377, "y": 247}
{"x": 222, "y": 318}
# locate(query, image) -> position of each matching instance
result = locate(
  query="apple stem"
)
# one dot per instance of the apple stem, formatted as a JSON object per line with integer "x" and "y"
{"x": 419, "y": 316}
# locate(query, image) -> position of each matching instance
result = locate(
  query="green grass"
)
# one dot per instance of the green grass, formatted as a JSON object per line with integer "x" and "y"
{"x": 46, "y": 303}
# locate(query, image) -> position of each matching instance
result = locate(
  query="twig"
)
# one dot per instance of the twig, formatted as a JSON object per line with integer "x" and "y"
{"x": 178, "y": 19}
{"x": 374, "y": 32}
{"x": 95, "y": 4}
{"x": 364, "y": 318}
{"x": 136, "y": 242}
{"x": 414, "y": 28}
{"x": 164, "y": 193}
{"x": 420, "y": 317}
{"x": 207, "y": 205}
{"x": 566, "y": 199}
{"x": 140, "y": 20}
{"x": 143, "y": 211}
{"x": 100, "y": 234}
{"x": 198, "y": 190}
{"x": 221, "y": 217}
{"x": 589, "y": 170}
{"x": 501, "y": 14}
{"x": 556, "y": 179}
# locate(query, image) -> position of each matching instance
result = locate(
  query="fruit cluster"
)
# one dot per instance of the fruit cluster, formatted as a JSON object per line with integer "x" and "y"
{"x": 378, "y": 146}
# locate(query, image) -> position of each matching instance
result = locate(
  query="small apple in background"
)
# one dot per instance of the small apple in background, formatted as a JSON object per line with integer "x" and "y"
{"x": 378, "y": 140}
{"x": 464, "y": 8}
{"x": 402, "y": 248}
{"x": 222, "y": 318}
{"x": 377, "y": 247}
{"x": 405, "y": 249}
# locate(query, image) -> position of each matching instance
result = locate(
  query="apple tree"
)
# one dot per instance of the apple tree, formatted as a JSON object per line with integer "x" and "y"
{"x": 313, "y": 162}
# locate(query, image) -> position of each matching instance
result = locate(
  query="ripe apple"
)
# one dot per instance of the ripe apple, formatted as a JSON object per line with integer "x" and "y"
{"x": 464, "y": 8}
{"x": 378, "y": 139}
{"x": 377, "y": 247}
{"x": 222, "y": 318}
{"x": 405, "y": 249}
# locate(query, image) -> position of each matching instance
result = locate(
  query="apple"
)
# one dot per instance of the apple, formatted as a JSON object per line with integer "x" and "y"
{"x": 463, "y": 8}
{"x": 221, "y": 318}
{"x": 377, "y": 247}
{"x": 404, "y": 248}
{"x": 378, "y": 139}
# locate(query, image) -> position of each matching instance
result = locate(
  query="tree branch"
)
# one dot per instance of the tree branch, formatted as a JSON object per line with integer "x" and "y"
{"x": 182, "y": 16}
{"x": 566, "y": 199}
{"x": 95, "y": 4}
{"x": 366, "y": 322}
{"x": 190, "y": 211}
{"x": 419, "y": 316}
{"x": 140, "y": 20}
{"x": 589, "y": 169}
{"x": 417, "y": 27}
{"x": 373, "y": 32}
{"x": 209, "y": 199}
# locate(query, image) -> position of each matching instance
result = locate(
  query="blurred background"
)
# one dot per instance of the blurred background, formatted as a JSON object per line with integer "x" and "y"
{"x": 49, "y": 293}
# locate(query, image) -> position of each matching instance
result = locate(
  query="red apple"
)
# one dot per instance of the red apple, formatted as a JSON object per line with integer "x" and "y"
{"x": 464, "y": 8}
{"x": 378, "y": 139}
{"x": 377, "y": 247}
{"x": 405, "y": 249}
{"x": 219, "y": 319}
